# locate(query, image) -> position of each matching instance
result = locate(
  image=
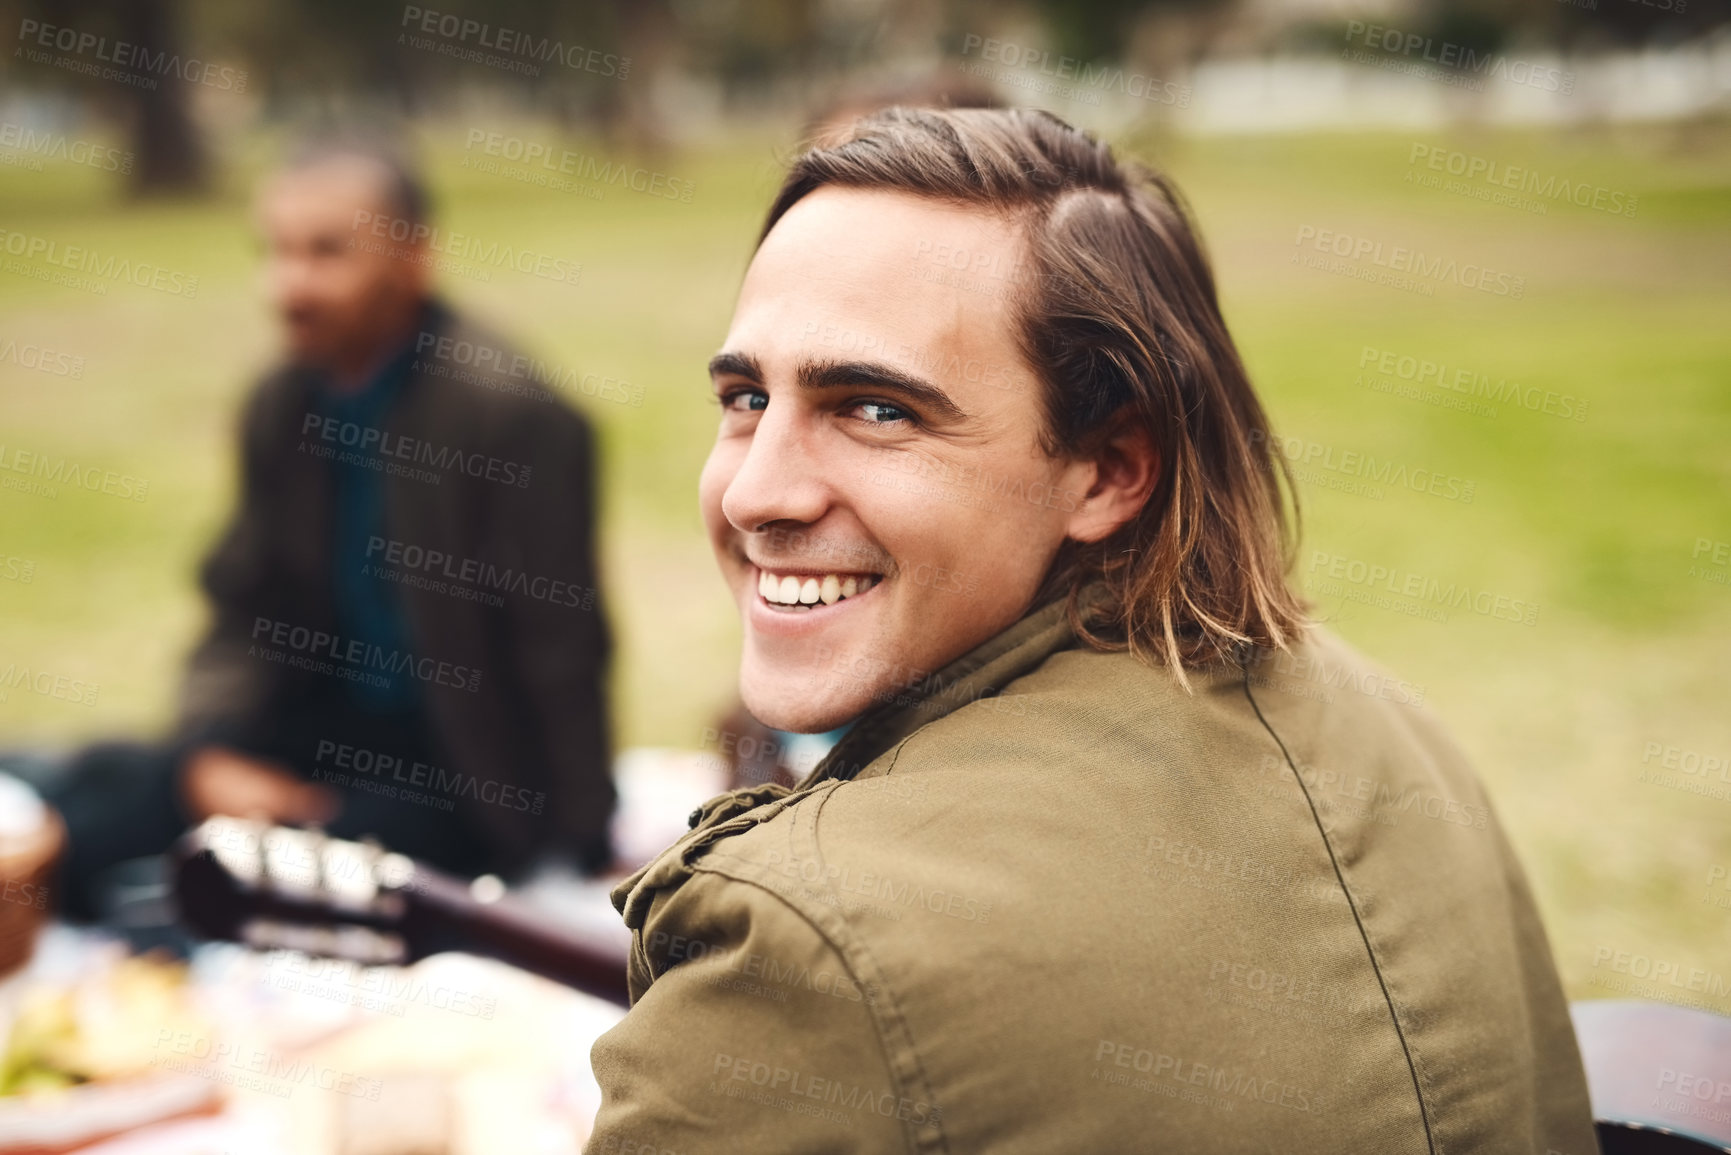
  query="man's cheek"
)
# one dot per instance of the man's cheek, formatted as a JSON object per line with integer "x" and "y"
{"x": 718, "y": 471}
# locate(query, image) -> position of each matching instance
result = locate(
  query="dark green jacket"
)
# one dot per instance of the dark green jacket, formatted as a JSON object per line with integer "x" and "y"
{"x": 1051, "y": 902}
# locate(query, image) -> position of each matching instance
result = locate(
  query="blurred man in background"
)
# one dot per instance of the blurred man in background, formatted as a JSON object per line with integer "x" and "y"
{"x": 407, "y": 640}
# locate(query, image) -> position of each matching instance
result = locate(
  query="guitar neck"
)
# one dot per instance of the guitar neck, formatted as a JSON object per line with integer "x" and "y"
{"x": 274, "y": 887}
{"x": 444, "y": 914}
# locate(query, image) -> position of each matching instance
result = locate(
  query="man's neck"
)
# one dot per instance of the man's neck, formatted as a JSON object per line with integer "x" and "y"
{"x": 352, "y": 373}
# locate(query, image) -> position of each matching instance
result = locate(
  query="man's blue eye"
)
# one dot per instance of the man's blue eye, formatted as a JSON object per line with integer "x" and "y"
{"x": 881, "y": 412}
{"x": 746, "y": 401}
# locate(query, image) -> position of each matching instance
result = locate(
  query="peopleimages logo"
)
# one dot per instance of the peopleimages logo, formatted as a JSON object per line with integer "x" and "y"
{"x": 953, "y": 366}
{"x": 1461, "y": 60}
{"x": 472, "y": 573}
{"x": 1411, "y": 262}
{"x": 1423, "y": 372}
{"x": 1230, "y": 1083}
{"x": 1090, "y": 79}
{"x": 515, "y": 50}
{"x": 48, "y": 684}
{"x": 42, "y": 360}
{"x": 492, "y": 363}
{"x": 1519, "y": 179}
{"x": 302, "y": 647}
{"x": 1667, "y": 971}
{"x": 120, "y": 52}
{"x": 379, "y": 765}
{"x": 45, "y": 473}
{"x": 369, "y": 444}
{"x": 558, "y": 161}
{"x": 791, "y": 1089}
{"x": 461, "y": 247}
{"x": 1364, "y": 474}
{"x": 1373, "y": 579}
{"x": 1718, "y": 555}
{"x": 58, "y": 146}
{"x": 79, "y": 259}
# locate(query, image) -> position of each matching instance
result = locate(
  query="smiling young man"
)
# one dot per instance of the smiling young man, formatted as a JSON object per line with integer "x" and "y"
{"x": 1117, "y": 852}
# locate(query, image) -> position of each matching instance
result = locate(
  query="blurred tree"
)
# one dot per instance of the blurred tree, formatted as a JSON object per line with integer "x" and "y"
{"x": 330, "y": 59}
{"x": 141, "y": 38}
{"x": 326, "y": 57}
{"x": 170, "y": 156}
{"x": 1095, "y": 30}
{"x": 1489, "y": 25}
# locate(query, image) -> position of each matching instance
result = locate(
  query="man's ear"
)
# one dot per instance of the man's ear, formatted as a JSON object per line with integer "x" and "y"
{"x": 1125, "y": 465}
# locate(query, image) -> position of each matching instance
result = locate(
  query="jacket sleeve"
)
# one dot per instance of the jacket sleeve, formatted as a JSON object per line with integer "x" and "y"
{"x": 559, "y": 637}
{"x": 753, "y": 1036}
{"x": 226, "y": 694}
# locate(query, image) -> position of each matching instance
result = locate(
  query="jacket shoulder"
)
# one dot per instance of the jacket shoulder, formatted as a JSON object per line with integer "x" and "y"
{"x": 1328, "y": 704}
{"x": 775, "y": 1004}
{"x": 279, "y": 393}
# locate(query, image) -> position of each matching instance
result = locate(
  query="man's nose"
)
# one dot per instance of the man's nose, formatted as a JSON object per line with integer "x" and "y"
{"x": 783, "y": 476}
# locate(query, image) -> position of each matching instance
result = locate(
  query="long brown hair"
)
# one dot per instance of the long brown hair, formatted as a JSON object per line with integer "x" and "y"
{"x": 1118, "y": 317}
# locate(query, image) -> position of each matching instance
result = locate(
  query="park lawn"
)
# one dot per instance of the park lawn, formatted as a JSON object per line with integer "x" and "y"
{"x": 1592, "y": 522}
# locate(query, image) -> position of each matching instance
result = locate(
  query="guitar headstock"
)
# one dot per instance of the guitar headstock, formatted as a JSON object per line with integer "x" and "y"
{"x": 277, "y": 887}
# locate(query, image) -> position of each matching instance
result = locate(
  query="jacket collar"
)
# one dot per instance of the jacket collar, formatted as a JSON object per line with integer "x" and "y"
{"x": 981, "y": 673}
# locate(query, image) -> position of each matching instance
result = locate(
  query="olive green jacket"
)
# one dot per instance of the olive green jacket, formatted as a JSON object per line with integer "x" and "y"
{"x": 1052, "y": 902}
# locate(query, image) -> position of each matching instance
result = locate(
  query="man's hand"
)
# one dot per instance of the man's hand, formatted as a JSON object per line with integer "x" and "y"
{"x": 217, "y": 780}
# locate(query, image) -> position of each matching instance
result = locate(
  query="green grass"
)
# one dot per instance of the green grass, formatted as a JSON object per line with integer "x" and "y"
{"x": 1592, "y": 520}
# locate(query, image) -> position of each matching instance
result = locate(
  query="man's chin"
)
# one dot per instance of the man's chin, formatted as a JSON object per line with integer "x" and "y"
{"x": 307, "y": 354}
{"x": 786, "y": 708}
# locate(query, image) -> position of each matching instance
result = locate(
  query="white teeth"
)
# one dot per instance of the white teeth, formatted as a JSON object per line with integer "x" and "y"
{"x": 809, "y": 590}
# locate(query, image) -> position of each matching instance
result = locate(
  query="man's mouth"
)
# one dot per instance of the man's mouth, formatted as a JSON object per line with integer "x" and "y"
{"x": 800, "y": 593}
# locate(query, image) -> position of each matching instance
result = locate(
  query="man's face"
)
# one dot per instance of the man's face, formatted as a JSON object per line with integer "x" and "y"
{"x": 878, "y": 463}
{"x": 342, "y": 292}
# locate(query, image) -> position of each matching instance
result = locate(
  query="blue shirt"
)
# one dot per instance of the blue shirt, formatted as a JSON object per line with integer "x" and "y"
{"x": 369, "y": 608}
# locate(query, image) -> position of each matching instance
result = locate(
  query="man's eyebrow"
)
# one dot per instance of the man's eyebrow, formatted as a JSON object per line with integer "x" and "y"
{"x": 841, "y": 374}
{"x": 736, "y": 365}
